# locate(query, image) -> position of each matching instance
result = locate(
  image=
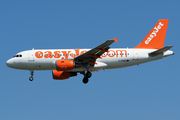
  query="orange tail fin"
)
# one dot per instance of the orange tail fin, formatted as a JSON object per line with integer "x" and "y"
{"x": 155, "y": 38}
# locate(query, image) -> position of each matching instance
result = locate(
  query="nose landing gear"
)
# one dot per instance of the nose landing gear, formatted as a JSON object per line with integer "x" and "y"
{"x": 32, "y": 73}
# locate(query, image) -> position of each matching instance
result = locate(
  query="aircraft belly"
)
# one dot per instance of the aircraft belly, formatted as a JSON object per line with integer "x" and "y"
{"x": 38, "y": 65}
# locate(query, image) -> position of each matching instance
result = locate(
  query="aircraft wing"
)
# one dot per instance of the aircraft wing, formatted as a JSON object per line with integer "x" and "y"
{"x": 89, "y": 57}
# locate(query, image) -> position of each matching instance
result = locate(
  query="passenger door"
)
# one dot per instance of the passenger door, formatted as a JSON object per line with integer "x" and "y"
{"x": 31, "y": 55}
{"x": 135, "y": 54}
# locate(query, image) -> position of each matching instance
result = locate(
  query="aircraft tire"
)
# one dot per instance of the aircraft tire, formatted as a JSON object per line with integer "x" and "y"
{"x": 31, "y": 78}
{"x": 88, "y": 74}
{"x": 85, "y": 80}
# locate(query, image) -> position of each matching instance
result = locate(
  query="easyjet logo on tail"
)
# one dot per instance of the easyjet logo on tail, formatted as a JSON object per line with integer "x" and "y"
{"x": 154, "y": 33}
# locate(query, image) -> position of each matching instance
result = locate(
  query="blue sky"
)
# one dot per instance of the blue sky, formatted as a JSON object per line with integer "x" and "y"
{"x": 148, "y": 91}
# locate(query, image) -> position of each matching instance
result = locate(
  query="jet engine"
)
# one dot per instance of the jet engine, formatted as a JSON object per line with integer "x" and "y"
{"x": 64, "y": 65}
{"x": 61, "y": 75}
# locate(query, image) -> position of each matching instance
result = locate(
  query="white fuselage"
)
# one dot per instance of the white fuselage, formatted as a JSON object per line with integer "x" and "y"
{"x": 114, "y": 58}
{"x": 66, "y": 63}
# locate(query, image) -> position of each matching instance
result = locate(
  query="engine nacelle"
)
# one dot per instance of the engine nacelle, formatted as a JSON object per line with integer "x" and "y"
{"x": 64, "y": 65}
{"x": 61, "y": 75}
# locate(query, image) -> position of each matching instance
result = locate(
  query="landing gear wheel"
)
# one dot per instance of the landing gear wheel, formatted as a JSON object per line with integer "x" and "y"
{"x": 85, "y": 80}
{"x": 32, "y": 73}
{"x": 88, "y": 74}
{"x": 31, "y": 78}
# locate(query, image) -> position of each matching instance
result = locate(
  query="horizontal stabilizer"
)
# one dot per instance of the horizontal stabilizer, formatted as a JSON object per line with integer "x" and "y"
{"x": 160, "y": 51}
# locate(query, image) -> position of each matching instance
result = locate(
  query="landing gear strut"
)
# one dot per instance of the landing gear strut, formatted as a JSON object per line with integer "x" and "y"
{"x": 86, "y": 77}
{"x": 32, "y": 73}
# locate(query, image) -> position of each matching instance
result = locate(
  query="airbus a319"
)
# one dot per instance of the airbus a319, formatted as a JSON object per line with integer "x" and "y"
{"x": 66, "y": 63}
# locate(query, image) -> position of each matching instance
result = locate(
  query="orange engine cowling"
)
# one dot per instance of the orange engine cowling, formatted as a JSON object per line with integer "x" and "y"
{"x": 61, "y": 75}
{"x": 64, "y": 65}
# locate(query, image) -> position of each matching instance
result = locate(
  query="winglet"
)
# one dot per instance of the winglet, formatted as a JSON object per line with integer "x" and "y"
{"x": 115, "y": 39}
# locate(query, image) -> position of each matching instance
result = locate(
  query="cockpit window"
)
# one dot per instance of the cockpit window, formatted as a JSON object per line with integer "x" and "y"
{"x": 18, "y": 55}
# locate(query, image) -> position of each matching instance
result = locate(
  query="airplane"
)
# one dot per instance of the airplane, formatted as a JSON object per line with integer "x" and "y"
{"x": 66, "y": 63}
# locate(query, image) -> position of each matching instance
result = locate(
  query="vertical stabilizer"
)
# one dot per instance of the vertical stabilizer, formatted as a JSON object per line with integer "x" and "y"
{"x": 155, "y": 38}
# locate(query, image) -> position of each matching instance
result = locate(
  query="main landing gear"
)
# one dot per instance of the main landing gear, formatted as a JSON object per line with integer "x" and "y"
{"x": 32, "y": 73}
{"x": 86, "y": 76}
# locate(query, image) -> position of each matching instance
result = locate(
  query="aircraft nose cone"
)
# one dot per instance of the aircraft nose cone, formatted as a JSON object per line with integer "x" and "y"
{"x": 9, "y": 63}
